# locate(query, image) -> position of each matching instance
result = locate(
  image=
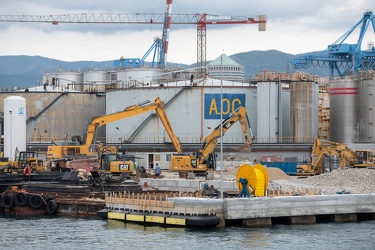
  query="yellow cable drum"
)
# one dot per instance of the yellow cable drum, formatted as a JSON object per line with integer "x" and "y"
{"x": 257, "y": 179}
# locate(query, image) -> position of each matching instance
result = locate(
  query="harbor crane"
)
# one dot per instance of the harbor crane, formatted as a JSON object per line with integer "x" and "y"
{"x": 343, "y": 57}
{"x": 160, "y": 46}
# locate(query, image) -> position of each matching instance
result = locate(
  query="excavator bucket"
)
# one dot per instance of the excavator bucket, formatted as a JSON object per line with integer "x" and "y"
{"x": 244, "y": 148}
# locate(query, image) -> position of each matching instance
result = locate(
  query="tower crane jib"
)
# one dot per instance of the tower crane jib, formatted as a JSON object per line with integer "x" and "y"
{"x": 166, "y": 19}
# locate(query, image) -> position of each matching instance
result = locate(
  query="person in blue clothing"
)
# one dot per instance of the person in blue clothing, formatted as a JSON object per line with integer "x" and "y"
{"x": 157, "y": 170}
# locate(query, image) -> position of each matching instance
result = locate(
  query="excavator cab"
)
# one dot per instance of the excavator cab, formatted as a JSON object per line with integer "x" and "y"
{"x": 26, "y": 158}
{"x": 210, "y": 161}
{"x": 364, "y": 158}
{"x": 106, "y": 159}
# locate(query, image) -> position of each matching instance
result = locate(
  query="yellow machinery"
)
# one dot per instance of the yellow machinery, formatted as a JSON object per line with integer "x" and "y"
{"x": 4, "y": 161}
{"x": 91, "y": 148}
{"x": 117, "y": 164}
{"x": 252, "y": 180}
{"x": 23, "y": 159}
{"x": 205, "y": 159}
{"x": 364, "y": 158}
{"x": 348, "y": 157}
{"x": 110, "y": 161}
{"x": 120, "y": 166}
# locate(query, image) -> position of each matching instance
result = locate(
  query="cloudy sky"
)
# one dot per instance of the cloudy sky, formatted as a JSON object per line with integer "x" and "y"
{"x": 293, "y": 26}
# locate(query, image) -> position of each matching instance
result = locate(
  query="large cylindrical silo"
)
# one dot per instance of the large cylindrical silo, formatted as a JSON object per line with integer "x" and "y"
{"x": 139, "y": 77}
{"x": 343, "y": 111}
{"x": 367, "y": 111}
{"x": 65, "y": 80}
{"x": 98, "y": 77}
{"x": 14, "y": 125}
{"x": 304, "y": 111}
{"x": 267, "y": 112}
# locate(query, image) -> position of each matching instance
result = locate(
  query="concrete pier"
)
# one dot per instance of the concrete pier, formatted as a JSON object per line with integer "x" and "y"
{"x": 261, "y": 211}
{"x": 300, "y": 209}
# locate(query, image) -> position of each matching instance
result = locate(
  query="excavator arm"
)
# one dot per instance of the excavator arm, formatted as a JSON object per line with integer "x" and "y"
{"x": 210, "y": 141}
{"x": 88, "y": 145}
{"x": 133, "y": 110}
{"x": 317, "y": 163}
{"x": 160, "y": 110}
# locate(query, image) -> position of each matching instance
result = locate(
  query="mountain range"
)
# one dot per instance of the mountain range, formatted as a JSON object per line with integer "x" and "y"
{"x": 27, "y": 71}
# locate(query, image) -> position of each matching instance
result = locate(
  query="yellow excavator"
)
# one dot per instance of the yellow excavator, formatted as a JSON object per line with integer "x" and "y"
{"x": 347, "y": 156}
{"x": 205, "y": 159}
{"x": 23, "y": 159}
{"x": 107, "y": 155}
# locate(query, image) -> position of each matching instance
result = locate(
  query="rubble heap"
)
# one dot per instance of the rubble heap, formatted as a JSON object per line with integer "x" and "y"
{"x": 236, "y": 157}
{"x": 351, "y": 180}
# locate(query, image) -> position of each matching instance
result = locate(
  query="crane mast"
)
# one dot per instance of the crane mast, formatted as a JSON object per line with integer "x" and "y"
{"x": 165, "y": 37}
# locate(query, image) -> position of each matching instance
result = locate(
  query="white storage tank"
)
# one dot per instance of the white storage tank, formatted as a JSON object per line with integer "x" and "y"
{"x": 14, "y": 125}
{"x": 65, "y": 80}
{"x": 96, "y": 77}
{"x": 267, "y": 112}
{"x": 138, "y": 77}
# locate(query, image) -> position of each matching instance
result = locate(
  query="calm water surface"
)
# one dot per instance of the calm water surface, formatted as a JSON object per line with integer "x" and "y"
{"x": 82, "y": 233}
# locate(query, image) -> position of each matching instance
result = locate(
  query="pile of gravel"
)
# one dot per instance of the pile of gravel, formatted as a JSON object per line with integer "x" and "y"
{"x": 235, "y": 157}
{"x": 351, "y": 180}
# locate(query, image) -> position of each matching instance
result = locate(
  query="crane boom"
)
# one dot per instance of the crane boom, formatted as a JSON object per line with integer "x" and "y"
{"x": 201, "y": 20}
{"x": 128, "y": 18}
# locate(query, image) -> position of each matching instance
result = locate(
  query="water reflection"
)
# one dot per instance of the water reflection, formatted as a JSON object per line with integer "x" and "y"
{"x": 120, "y": 225}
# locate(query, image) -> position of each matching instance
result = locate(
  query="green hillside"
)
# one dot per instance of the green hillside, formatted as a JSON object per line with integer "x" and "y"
{"x": 27, "y": 71}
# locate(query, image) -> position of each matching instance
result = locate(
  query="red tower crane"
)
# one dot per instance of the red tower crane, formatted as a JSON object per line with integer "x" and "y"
{"x": 166, "y": 19}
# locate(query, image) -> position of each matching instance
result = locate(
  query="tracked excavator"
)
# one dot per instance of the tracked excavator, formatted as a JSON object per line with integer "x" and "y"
{"x": 203, "y": 160}
{"x": 348, "y": 158}
{"x": 108, "y": 156}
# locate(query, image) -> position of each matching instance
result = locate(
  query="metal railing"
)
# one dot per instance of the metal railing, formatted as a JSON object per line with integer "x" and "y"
{"x": 184, "y": 140}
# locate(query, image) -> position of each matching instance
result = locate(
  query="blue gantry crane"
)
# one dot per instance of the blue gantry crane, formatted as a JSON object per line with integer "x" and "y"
{"x": 341, "y": 57}
{"x": 157, "y": 59}
{"x": 160, "y": 46}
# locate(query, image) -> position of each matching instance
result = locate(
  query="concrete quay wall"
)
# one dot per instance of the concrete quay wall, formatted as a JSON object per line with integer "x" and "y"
{"x": 265, "y": 207}
{"x": 265, "y": 211}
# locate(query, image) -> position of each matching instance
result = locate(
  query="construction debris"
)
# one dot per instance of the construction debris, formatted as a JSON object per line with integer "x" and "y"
{"x": 351, "y": 180}
{"x": 236, "y": 157}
